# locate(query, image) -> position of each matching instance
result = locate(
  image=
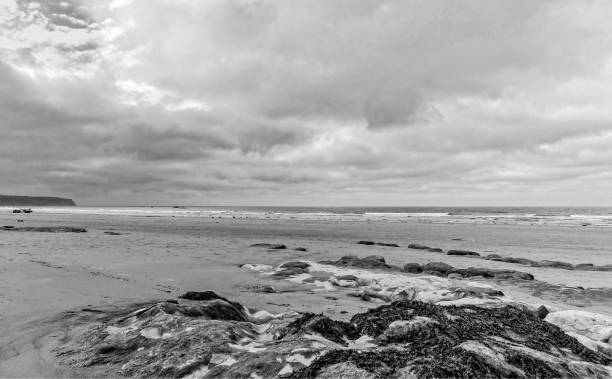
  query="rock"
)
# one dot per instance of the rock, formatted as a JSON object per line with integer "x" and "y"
{"x": 413, "y": 268}
{"x": 557, "y": 264}
{"x": 435, "y": 250}
{"x": 371, "y": 262}
{"x": 48, "y": 229}
{"x": 365, "y": 243}
{"x": 387, "y": 244}
{"x": 462, "y": 252}
{"x": 604, "y": 268}
{"x": 493, "y": 257}
{"x": 585, "y": 266}
{"x": 418, "y": 247}
{"x": 289, "y": 271}
{"x": 110, "y": 233}
{"x": 454, "y": 275}
{"x": 300, "y": 249}
{"x": 297, "y": 264}
{"x": 522, "y": 261}
{"x": 542, "y": 312}
{"x": 522, "y": 275}
{"x": 440, "y": 267}
{"x": 272, "y": 246}
{"x": 311, "y": 323}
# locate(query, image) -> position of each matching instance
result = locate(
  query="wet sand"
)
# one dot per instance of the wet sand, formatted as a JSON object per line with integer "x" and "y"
{"x": 43, "y": 274}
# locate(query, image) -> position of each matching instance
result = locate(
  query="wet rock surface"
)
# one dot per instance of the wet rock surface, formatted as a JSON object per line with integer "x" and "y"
{"x": 404, "y": 338}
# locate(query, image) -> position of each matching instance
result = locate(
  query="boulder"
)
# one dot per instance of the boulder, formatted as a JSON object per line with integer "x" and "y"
{"x": 435, "y": 250}
{"x": 387, "y": 244}
{"x": 462, "y": 252}
{"x": 440, "y": 267}
{"x": 366, "y": 243}
{"x": 296, "y": 264}
{"x": 413, "y": 268}
{"x": 300, "y": 249}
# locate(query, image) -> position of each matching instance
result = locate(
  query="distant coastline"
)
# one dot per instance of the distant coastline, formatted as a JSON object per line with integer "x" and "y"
{"x": 34, "y": 200}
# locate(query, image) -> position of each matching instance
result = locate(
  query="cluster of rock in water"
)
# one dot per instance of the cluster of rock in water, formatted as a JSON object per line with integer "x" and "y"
{"x": 499, "y": 258}
{"x": 203, "y": 334}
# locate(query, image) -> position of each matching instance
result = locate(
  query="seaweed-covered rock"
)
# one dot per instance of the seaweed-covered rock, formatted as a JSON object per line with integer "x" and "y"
{"x": 426, "y": 340}
{"x": 462, "y": 252}
{"x": 310, "y": 323}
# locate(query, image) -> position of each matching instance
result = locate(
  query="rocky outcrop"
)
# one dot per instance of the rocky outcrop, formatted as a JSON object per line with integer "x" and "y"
{"x": 45, "y": 229}
{"x": 369, "y": 262}
{"x": 35, "y": 200}
{"x": 216, "y": 337}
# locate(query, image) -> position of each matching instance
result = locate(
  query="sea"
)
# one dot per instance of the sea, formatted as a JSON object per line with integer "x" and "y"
{"x": 563, "y": 216}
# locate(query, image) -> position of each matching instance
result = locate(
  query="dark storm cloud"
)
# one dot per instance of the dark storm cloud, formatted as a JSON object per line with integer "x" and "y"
{"x": 292, "y": 102}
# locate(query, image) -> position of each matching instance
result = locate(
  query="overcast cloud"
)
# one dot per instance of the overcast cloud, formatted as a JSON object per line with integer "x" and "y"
{"x": 318, "y": 102}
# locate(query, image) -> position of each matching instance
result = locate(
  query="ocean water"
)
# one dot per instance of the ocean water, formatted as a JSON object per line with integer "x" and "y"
{"x": 564, "y": 216}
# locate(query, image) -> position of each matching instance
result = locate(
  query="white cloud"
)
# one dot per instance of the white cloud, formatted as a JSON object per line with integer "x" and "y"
{"x": 410, "y": 99}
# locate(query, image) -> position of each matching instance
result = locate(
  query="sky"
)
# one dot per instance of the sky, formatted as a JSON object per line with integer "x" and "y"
{"x": 318, "y": 102}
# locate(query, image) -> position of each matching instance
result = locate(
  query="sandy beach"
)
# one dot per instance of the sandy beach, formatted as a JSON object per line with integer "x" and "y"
{"x": 128, "y": 259}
